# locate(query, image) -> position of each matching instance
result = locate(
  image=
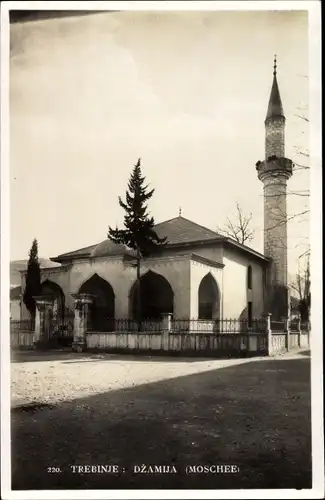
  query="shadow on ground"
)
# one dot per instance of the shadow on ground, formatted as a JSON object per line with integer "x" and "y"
{"x": 305, "y": 353}
{"x": 68, "y": 356}
{"x": 255, "y": 416}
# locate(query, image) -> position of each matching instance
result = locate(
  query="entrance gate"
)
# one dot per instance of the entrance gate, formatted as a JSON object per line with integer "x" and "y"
{"x": 62, "y": 326}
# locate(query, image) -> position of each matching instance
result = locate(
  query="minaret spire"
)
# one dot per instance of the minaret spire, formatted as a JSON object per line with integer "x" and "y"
{"x": 275, "y": 108}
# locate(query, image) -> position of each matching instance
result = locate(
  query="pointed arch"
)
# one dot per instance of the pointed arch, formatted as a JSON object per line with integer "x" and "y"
{"x": 157, "y": 296}
{"x": 103, "y": 306}
{"x": 208, "y": 298}
{"x": 51, "y": 288}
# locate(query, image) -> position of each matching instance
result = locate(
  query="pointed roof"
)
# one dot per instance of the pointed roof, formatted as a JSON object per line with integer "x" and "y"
{"x": 181, "y": 230}
{"x": 275, "y": 105}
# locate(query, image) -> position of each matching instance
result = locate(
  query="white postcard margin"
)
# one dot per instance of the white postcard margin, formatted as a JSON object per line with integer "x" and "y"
{"x": 314, "y": 11}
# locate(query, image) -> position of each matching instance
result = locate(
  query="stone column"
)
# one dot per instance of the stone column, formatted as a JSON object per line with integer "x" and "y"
{"x": 268, "y": 332}
{"x": 82, "y": 303}
{"x": 166, "y": 324}
{"x": 44, "y": 306}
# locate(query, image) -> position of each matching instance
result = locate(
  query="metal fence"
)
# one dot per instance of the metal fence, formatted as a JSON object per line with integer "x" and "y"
{"x": 305, "y": 326}
{"x": 218, "y": 326}
{"x": 25, "y": 325}
{"x": 62, "y": 324}
{"x": 278, "y": 326}
{"x": 108, "y": 324}
{"x": 177, "y": 325}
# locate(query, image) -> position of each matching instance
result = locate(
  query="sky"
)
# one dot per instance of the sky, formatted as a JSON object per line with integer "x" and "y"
{"x": 185, "y": 91}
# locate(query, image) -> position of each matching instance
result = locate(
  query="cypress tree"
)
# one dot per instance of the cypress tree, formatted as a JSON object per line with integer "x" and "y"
{"x": 138, "y": 232}
{"x": 33, "y": 280}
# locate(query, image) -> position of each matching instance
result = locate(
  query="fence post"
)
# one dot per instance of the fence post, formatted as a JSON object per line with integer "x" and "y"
{"x": 166, "y": 322}
{"x": 299, "y": 331}
{"x": 308, "y": 332}
{"x": 82, "y": 303}
{"x": 268, "y": 332}
{"x": 287, "y": 332}
{"x": 44, "y": 304}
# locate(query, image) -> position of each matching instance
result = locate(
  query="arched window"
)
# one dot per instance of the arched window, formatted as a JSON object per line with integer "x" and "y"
{"x": 249, "y": 278}
{"x": 209, "y": 299}
{"x": 250, "y": 314}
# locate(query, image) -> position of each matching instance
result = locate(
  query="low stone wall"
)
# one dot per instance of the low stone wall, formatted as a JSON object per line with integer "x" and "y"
{"x": 278, "y": 343}
{"x": 21, "y": 340}
{"x": 281, "y": 342}
{"x": 203, "y": 344}
{"x": 304, "y": 339}
{"x": 293, "y": 340}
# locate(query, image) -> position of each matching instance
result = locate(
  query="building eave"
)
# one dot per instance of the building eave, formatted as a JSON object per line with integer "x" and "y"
{"x": 65, "y": 259}
{"x": 195, "y": 243}
{"x": 246, "y": 249}
{"x": 220, "y": 240}
{"x": 205, "y": 260}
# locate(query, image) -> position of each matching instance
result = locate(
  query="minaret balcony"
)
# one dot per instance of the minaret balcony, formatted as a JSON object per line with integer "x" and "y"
{"x": 274, "y": 166}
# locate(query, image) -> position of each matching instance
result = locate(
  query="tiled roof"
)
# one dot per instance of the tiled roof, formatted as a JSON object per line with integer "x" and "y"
{"x": 84, "y": 252}
{"x": 178, "y": 231}
{"x": 181, "y": 230}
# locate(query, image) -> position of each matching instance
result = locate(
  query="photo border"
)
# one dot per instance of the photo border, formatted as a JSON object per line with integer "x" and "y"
{"x": 314, "y": 10}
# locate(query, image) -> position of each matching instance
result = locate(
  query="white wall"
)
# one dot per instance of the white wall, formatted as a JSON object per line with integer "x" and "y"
{"x": 235, "y": 285}
{"x": 212, "y": 252}
{"x": 122, "y": 276}
{"x": 15, "y": 309}
{"x": 183, "y": 275}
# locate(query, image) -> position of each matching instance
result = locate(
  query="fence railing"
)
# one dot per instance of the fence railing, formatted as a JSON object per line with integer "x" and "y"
{"x": 25, "y": 325}
{"x": 218, "y": 326}
{"x": 109, "y": 324}
{"x": 294, "y": 325}
{"x": 278, "y": 326}
{"x": 102, "y": 324}
{"x": 305, "y": 326}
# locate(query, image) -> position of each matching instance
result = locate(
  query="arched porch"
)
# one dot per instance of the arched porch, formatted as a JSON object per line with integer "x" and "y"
{"x": 102, "y": 313}
{"x": 156, "y": 297}
{"x": 52, "y": 289}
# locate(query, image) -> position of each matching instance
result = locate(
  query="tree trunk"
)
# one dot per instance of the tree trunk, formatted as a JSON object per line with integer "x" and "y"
{"x": 138, "y": 291}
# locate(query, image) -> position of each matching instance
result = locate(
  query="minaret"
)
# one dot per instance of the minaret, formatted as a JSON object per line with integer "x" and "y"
{"x": 274, "y": 172}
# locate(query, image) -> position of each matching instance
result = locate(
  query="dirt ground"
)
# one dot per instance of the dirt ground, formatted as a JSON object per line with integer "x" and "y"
{"x": 136, "y": 411}
{"x": 55, "y": 376}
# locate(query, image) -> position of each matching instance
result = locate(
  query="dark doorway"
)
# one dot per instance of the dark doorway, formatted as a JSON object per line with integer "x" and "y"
{"x": 55, "y": 291}
{"x": 157, "y": 296}
{"x": 103, "y": 307}
{"x": 62, "y": 319}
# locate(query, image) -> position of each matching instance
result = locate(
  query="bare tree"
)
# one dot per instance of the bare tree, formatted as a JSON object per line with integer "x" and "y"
{"x": 240, "y": 228}
{"x": 301, "y": 285}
